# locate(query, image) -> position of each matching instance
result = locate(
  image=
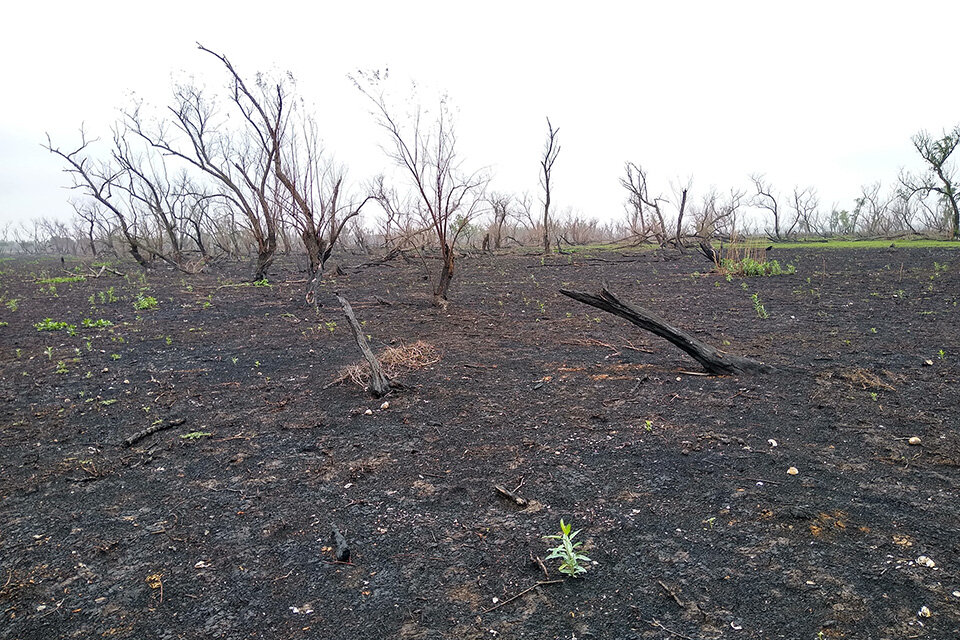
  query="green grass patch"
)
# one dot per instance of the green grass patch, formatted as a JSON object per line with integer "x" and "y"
{"x": 847, "y": 243}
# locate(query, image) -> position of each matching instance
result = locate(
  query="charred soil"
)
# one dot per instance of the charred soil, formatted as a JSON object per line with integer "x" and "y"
{"x": 219, "y": 524}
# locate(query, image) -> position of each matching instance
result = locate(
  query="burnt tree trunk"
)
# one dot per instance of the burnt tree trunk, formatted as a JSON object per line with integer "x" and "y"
{"x": 712, "y": 360}
{"x": 379, "y": 385}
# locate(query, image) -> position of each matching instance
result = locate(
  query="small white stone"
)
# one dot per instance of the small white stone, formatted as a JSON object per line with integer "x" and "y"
{"x": 926, "y": 562}
{"x": 914, "y": 440}
{"x": 792, "y": 471}
{"x": 772, "y": 442}
{"x": 924, "y": 612}
{"x": 201, "y": 565}
{"x": 385, "y": 406}
{"x": 368, "y": 412}
{"x": 956, "y": 594}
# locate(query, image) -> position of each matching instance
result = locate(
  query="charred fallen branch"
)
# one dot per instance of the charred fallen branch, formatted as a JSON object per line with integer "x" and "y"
{"x": 712, "y": 360}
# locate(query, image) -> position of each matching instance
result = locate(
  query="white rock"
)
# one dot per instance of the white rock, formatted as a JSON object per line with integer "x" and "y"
{"x": 926, "y": 562}
{"x": 368, "y": 412}
{"x": 914, "y": 440}
{"x": 385, "y": 406}
{"x": 792, "y": 471}
{"x": 924, "y": 612}
{"x": 956, "y": 594}
{"x": 772, "y": 442}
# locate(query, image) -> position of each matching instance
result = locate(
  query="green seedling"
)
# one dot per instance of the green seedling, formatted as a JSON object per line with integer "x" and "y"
{"x": 195, "y": 435}
{"x": 568, "y": 551}
{"x": 144, "y": 303}
{"x": 758, "y": 307}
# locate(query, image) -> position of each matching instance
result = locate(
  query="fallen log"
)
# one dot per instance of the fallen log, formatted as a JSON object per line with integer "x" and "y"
{"x": 159, "y": 426}
{"x": 713, "y": 360}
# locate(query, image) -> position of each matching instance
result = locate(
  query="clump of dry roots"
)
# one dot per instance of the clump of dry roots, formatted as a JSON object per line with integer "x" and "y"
{"x": 394, "y": 361}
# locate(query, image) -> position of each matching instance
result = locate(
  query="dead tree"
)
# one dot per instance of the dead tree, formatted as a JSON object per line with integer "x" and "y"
{"x": 550, "y": 152}
{"x": 940, "y": 175}
{"x": 712, "y": 360}
{"x": 765, "y": 198}
{"x": 448, "y": 198}
{"x": 644, "y": 212}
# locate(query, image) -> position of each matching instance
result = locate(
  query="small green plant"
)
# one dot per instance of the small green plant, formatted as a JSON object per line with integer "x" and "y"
{"x": 61, "y": 367}
{"x": 872, "y": 330}
{"x": 648, "y": 426}
{"x": 13, "y": 304}
{"x": 168, "y": 340}
{"x": 49, "y": 324}
{"x": 568, "y": 551}
{"x": 262, "y": 283}
{"x": 144, "y": 303}
{"x": 19, "y": 353}
{"x": 942, "y": 354}
{"x": 108, "y": 402}
{"x": 115, "y": 356}
{"x": 195, "y": 435}
{"x": 331, "y": 326}
{"x": 49, "y": 352}
{"x": 758, "y": 307}
{"x": 87, "y": 322}
{"x": 874, "y": 396}
{"x": 106, "y": 296}
{"x": 234, "y": 359}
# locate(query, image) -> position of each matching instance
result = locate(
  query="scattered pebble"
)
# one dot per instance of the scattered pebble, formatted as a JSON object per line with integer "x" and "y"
{"x": 772, "y": 442}
{"x": 914, "y": 440}
{"x": 385, "y": 406}
{"x": 368, "y": 412}
{"x": 201, "y": 565}
{"x": 928, "y": 363}
{"x": 924, "y": 612}
{"x": 956, "y": 594}
{"x": 792, "y": 471}
{"x": 927, "y": 562}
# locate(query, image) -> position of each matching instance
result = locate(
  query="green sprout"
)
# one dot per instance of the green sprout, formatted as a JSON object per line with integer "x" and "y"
{"x": 568, "y": 551}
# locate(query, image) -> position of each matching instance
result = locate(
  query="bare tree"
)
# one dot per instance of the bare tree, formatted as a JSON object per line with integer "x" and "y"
{"x": 101, "y": 181}
{"x": 238, "y": 161}
{"x": 550, "y": 152}
{"x": 716, "y": 216}
{"x": 765, "y": 198}
{"x": 643, "y": 210}
{"x": 448, "y": 196}
{"x": 940, "y": 175}
{"x": 806, "y": 207}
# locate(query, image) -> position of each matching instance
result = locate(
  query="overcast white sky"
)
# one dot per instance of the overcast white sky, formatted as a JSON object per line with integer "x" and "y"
{"x": 825, "y": 94}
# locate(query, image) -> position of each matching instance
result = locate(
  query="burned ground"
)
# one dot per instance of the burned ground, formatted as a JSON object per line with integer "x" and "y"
{"x": 683, "y": 499}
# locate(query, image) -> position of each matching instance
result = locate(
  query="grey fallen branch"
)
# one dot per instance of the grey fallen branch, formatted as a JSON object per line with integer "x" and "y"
{"x": 160, "y": 426}
{"x": 524, "y": 592}
{"x": 519, "y": 500}
{"x": 713, "y": 360}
